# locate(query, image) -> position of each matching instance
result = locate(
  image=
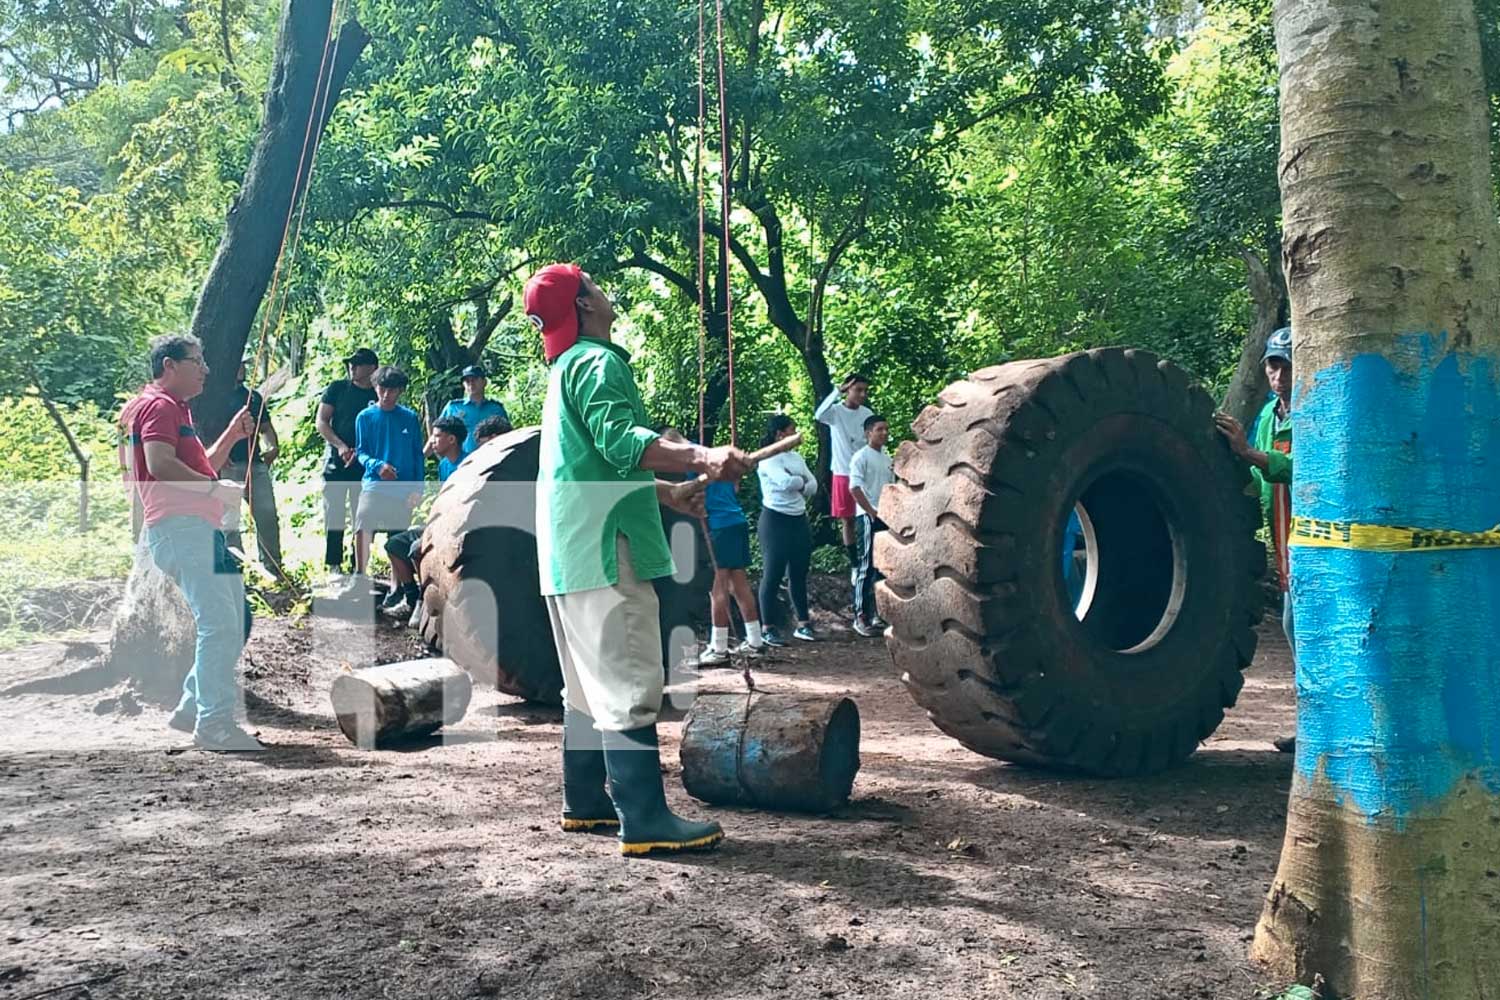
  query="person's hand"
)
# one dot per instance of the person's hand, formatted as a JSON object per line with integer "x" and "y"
{"x": 688, "y": 498}
{"x": 388, "y": 472}
{"x": 1233, "y": 433}
{"x": 346, "y": 455}
{"x": 242, "y": 423}
{"x": 412, "y": 499}
{"x": 845, "y": 385}
{"x": 268, "y": 455}
{"x": 725, "y": 463}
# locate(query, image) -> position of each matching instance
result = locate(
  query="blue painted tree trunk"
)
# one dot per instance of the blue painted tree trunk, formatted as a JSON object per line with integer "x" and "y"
{"x": 1389, "y": 882}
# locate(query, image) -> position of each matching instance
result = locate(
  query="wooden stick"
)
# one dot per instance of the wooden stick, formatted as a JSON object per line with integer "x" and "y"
{"x": 786, "y": 444}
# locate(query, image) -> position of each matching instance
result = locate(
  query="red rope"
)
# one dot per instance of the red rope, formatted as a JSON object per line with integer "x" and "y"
{"x": 726, "y": 171}
{"x": 702, "y": 239}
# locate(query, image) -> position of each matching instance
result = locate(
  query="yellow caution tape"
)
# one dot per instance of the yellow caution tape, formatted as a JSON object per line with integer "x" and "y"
{"x": 1313, "y": 532}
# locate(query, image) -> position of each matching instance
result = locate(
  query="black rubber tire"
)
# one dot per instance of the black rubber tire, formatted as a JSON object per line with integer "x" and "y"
{"x": 683, "y": 598}
{"x": 982, "y": 627}
{"x": 481, "y": 531}
{"x": 481, "y": 592}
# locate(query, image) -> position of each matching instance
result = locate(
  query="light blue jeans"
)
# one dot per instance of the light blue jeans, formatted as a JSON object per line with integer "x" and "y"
{"x": 192, "y": 553}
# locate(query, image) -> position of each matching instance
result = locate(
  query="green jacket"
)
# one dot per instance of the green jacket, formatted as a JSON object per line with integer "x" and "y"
{"x": 1268, "y": 431}
{"x": 589, "y": 485}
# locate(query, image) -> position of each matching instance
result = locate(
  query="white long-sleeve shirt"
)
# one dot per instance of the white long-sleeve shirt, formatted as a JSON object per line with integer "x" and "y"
{"x": 846, "y": 429}
{"x": 786, "y": 483}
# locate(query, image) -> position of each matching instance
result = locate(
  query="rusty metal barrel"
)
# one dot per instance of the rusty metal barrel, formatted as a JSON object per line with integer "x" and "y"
{"x": 791, "y": 752}
{"x": 400, "y": 701}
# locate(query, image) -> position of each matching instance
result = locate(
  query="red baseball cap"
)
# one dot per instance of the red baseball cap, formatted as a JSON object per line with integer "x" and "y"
{"x": 548, "y": 301}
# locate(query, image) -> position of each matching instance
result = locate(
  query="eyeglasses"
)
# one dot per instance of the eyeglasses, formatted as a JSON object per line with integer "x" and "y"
{"x": 197, "y": 361}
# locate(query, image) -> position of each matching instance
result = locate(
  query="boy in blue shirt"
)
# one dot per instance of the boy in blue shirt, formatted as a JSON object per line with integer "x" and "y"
{"x": 473, "y": 409}
{"x": 388, "y": 445}
{"x": 445, "y": 441}
{"x": 729, "y": 540}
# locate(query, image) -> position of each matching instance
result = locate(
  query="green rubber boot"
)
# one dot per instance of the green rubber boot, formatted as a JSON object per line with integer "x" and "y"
{"x": 646, "y": 824}
{"x": 586, "y": 805}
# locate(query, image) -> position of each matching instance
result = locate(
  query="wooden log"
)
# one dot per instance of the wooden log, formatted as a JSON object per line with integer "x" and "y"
{"x": 788, "y": 752}
{"x": 399, "y": 701}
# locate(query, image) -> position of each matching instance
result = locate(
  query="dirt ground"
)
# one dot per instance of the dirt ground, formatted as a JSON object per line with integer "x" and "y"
{"x": 319, "y": 870}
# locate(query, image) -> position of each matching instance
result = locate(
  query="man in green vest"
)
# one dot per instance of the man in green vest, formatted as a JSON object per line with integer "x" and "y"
{"x": 600, "y": 543}
{"x": 1270, "y": 459}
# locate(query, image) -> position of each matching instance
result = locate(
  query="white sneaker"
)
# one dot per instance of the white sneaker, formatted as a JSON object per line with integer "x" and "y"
{"x": 864, "y": 628}
{"x": 713, "y": 657}
{"x": 745, "y": 649}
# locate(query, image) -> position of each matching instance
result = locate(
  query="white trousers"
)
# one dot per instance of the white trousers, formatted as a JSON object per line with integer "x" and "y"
{"x": 609, "y": 645}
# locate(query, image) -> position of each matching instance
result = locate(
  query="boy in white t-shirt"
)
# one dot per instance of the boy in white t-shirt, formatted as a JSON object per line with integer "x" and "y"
{"x": 869, "y": 473}
{"x": 845, "y": 419}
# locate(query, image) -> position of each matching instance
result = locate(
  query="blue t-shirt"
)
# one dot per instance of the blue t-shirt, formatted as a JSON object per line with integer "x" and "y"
{"x": 389, "y": 437}
{"x": 723, "y": 506}
{"x": 445, "y": 469}
{"x": 473, "y": 414}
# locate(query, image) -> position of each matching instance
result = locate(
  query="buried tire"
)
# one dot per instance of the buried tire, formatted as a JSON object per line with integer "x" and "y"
{"x": 481, "y": 589}
{"x": 983, "y": 627}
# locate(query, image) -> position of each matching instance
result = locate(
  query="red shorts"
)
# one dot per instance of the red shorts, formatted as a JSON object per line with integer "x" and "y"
{"x": 841, "y": 503}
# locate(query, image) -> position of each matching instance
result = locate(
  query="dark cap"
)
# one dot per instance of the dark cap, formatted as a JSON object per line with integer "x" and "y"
{"x": 474, "y": 371}
{"x": 1279, "y": 345}
{"x": 363, "y": 356}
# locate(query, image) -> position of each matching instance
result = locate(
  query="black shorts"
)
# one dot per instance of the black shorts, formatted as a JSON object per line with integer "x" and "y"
{"x": 731, "y": 546}
{"x": 404, "y": 544}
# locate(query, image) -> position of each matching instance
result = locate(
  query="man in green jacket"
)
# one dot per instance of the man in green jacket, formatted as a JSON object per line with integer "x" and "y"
{"x": 1270, "y": 459}
{"x": 600, "y": 542}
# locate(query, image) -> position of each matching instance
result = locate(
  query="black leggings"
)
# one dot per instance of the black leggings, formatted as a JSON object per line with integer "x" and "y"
{"x": 785, "y": 550}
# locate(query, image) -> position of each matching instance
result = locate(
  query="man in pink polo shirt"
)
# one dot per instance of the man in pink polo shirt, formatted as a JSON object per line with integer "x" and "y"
{"x": 184, "y": 502}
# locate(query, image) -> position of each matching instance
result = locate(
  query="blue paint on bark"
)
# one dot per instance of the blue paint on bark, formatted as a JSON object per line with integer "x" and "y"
{"x": 1398, "y": 654}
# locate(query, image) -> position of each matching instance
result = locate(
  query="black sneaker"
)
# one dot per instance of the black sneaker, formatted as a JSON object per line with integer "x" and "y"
{"x": 771, "y": 637}
{"x": 184, "y": 720}
{"x": 400, "y": 610}
{"x": 225, "y": 737}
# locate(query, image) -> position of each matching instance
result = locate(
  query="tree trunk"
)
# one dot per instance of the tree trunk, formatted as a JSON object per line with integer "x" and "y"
{"x": 1248, "y": 389}
{"x": 1387, "y": 884}
{"x": 305, "y": 72}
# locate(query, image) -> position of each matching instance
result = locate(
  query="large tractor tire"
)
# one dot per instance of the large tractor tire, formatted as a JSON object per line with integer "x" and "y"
{"x": 1131, "y": 675}
{"x": 481, "y": 591}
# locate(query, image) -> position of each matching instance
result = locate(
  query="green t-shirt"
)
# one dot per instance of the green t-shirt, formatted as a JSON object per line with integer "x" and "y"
{"x": 589, "y": 485}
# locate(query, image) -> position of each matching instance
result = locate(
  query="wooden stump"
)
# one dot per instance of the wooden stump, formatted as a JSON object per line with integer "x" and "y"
{"x": 788, "y": 752}
{"x": 399, "y": 701}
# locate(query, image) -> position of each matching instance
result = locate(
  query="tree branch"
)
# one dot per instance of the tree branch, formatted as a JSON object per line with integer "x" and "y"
{"x": 436, "y": 206}
{"x": 682, "y": 282}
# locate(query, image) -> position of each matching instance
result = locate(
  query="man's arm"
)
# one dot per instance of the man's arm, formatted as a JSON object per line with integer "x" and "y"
{"x": 362, "y": 444}
{"x": 324, "y": 423}
{"x": 1273, "y": 465}
{"x": 858, "y": 477}
{"x": 241, "y": 426}
{"x": 600, "y": 394}
{"x": 164, "y": 465}
{"x": 825, "y": 407}
{"x": 270, "y": 443}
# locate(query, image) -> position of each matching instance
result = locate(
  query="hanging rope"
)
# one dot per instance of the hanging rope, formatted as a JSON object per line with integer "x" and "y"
{"x": 725, "y": 183}
{"x": 317, "y": 108}
{"x": 702, "y": 269}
